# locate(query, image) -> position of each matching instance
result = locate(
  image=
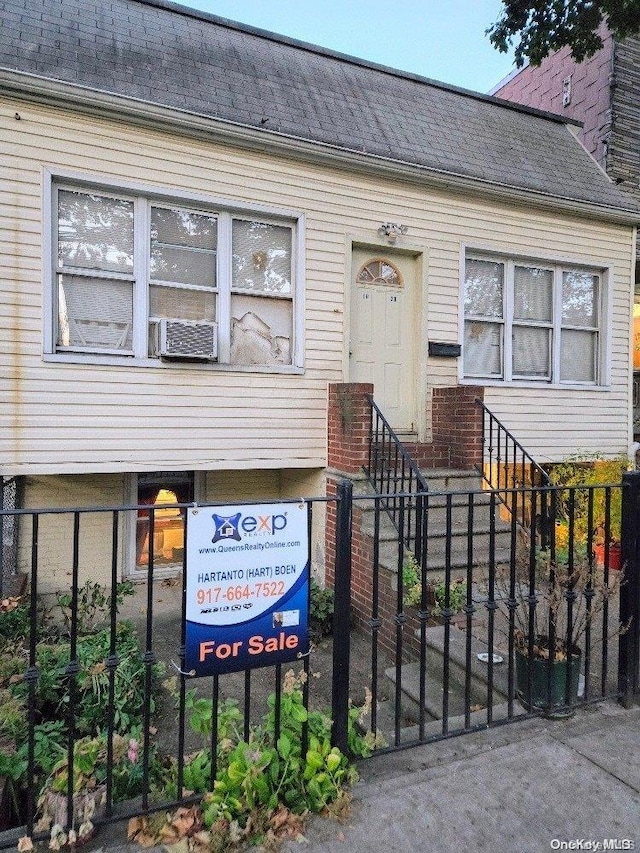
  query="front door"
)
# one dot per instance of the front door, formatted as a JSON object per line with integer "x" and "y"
{"x": 383, "y": 331}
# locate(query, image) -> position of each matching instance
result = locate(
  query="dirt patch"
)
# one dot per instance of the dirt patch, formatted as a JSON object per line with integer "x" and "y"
{"x": 251, "y": 690}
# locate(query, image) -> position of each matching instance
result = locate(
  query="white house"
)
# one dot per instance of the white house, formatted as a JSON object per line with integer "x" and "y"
{"x": 204, "y": 225}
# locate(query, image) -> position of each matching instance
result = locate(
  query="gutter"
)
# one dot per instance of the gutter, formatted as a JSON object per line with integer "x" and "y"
{"x": 44, "y": 90}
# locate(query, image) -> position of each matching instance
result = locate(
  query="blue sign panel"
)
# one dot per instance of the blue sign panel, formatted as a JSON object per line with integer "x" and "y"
{"x": 247, "y": 587}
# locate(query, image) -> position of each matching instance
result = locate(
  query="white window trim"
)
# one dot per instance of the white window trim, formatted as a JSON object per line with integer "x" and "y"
{"x": 225, "y": 209}
{"x": 604, "y": 271}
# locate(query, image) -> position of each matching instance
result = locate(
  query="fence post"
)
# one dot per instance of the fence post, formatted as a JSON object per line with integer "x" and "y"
{"x": 342, "y": 617}
{"x": 629, "y": 642}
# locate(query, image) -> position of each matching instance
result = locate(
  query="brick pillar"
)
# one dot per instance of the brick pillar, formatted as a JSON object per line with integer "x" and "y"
{"x": 457, "y": 424}
{"x": 349, "y": 426}
{"x": 349, "y": 431}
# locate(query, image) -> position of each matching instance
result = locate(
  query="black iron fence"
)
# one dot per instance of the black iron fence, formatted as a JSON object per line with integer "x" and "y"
{"x": 480, "y": 623}
{"x": 392, "y": 472}
{"x": 494, "y": 620}
{"x": 506, "y": 464}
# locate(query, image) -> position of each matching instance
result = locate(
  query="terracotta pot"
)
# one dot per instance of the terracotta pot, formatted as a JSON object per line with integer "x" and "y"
{"x": 615, "y": 555}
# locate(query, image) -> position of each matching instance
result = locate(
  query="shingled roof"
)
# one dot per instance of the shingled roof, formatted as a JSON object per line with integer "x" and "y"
{"x": 165, "y": 55}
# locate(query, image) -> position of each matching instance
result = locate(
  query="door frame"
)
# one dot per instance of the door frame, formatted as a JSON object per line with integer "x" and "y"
{"x": 419, "y": 254}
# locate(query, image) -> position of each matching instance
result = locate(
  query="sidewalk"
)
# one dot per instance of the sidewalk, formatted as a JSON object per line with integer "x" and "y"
{"x": 520, "y": 788}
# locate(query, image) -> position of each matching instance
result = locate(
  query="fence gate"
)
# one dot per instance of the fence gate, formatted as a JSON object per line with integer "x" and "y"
{"x": 476, "y": 619}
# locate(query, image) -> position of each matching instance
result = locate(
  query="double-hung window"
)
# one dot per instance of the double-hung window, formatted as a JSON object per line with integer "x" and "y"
{"x": 143, "y": 278}
{"x": 531, "y": 321}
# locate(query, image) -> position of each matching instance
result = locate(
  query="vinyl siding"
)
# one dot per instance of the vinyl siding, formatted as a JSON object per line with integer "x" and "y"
{"x": 64, "y": 418}
{"x": 55, "y": 531}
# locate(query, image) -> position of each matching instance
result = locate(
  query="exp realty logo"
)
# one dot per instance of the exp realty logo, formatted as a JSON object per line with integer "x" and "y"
{"x": 235, "y": 526}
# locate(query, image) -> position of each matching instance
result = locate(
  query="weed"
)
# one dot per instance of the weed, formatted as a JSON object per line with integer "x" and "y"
{"x": 321, "y": 611}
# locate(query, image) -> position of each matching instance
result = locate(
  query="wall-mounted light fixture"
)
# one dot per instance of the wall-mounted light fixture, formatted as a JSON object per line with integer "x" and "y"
{"x": 392, "y": 231}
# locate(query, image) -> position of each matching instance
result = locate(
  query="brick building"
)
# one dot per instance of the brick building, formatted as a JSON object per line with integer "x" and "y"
{"x": 603, "y": 93}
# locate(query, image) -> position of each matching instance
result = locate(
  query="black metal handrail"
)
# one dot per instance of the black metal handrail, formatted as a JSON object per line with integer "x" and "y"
{"x": 392, "y": 472}
{"x": 505, "y": 462}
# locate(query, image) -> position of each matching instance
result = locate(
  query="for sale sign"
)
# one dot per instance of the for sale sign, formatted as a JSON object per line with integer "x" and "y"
{"x": 247, "y": 586}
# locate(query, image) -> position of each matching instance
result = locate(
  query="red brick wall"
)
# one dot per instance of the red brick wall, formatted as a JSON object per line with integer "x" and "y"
{"x": 457, "y": 424}
{"x": 349, "y": 426}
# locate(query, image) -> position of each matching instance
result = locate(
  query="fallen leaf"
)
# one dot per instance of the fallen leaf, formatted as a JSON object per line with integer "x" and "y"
{"x": 180, "y": 846}
{"x": 138, "y": 830}
{"x": 135, "y": 825}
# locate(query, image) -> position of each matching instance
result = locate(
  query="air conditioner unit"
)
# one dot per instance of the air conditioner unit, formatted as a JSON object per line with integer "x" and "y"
{"x": 185, "y": 339}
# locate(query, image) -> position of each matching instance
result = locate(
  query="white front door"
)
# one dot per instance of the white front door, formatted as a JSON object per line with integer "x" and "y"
{"x": 383, "y": 330}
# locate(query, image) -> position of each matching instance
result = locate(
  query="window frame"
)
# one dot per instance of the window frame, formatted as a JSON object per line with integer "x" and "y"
{"x": 129, "y": 569}
{"x": 507, "y": 321}
{"x": 144, "y": 197}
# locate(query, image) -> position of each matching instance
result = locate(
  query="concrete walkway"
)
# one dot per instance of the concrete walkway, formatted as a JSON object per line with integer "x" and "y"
{"x": 526, "y": 787}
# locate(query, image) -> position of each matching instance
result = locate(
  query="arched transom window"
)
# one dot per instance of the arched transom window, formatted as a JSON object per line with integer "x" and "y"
{"x": 379, "y": 271}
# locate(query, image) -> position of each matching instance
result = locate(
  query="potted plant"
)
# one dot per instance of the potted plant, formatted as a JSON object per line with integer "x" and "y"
{"x": 548, "y": 647}
{"x": 596, "y": 512}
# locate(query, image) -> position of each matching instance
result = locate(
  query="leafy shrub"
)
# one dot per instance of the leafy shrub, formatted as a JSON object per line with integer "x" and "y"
{"x": 321, "y": 611}
{"x": 264, "y": 773}
{"x": 51, "y": 690}
{"x": 264, "y": 779}
{"x": 457, "y": 596}
{"x": 579, "y": 473}
{"x": 14, "y": 619}
{"x": 93, "y": 605}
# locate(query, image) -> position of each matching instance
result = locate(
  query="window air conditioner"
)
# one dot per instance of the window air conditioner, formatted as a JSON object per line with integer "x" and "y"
{"x": 185, "y": 339}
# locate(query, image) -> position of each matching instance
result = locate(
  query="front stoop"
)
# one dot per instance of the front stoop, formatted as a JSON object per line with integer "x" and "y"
{"x": 444, "y": 485}
{"x": 434, "y": 674}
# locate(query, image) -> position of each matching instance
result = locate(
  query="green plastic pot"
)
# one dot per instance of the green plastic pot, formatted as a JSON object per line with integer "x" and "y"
{"x": 550, "y": 699}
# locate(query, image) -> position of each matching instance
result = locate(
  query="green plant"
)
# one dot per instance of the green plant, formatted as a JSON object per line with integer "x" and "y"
{"x": 13, "y": 717}
{"x": 264, "y": 772}
{"x": 583, "y": 478}
{"x": 436, "y": 593}
{"x": 93, "y": 605}
{"x": 15, "y": 622}
{"x": 52, "y": 695}
{"x": 411, "y": 581}
{"x": 321, "y": 610}
{"x": 51, "y": 698}
{"x": 457, "y": 597}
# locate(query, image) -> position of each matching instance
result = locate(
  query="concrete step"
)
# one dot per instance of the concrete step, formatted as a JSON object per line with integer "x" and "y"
{"x": 452, "y": 480}
{"x": 438, "y": 482}
{"x": 434, "y": 676}
{"x": 436, "y": 554}
{"x": 433, "y": 728}
{"x": 437, "y": 522}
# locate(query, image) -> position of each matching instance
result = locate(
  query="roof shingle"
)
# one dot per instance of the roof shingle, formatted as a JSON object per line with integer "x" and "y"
{"x": 166, "y": 55}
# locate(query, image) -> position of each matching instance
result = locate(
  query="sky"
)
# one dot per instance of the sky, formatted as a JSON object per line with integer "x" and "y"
{"x": 440, "y": 39}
